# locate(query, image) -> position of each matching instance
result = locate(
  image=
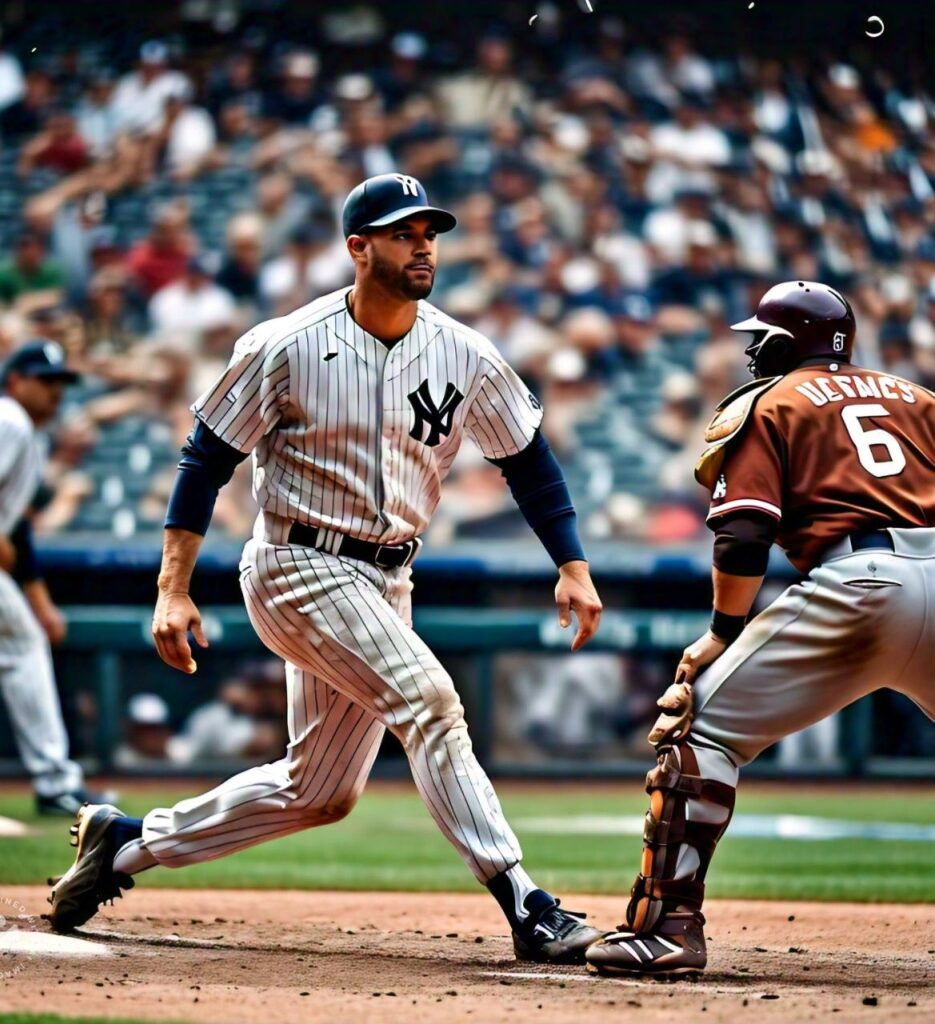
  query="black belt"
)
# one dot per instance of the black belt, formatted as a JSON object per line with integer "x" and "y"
{"x": 383, "y": 556}
{"x": 874, "y": 539}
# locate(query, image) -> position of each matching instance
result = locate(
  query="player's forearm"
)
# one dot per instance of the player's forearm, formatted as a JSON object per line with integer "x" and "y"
{"x": 734, "y": 595}
{"x": 179, "y": 553}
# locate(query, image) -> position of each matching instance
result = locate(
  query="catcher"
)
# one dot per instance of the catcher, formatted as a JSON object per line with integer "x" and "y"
{"x": 836, "y": 464}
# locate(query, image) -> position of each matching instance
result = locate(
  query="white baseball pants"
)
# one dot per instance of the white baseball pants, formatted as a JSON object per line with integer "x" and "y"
{"x": 27, "y": 682}
{"x": 354, "y": 668}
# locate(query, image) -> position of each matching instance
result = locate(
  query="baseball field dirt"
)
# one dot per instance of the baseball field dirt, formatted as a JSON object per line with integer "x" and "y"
{"x": 228, "y": 957}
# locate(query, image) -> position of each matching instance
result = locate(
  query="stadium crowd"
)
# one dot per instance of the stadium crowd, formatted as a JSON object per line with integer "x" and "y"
{"x": 619, "y": 205}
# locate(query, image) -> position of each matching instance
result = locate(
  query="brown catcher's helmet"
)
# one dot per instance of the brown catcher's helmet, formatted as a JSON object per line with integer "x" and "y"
{"x": 795, "y": 321}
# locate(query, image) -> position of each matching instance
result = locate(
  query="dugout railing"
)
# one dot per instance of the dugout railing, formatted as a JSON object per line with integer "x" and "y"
{"x": 108, "y": 647}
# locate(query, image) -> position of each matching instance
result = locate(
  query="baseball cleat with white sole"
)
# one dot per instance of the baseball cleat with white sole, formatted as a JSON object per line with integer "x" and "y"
{"x": 674, "y": 948}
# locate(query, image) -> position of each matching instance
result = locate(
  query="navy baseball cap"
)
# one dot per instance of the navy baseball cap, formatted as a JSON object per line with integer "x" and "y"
{"x": 387, "y": 198}
{"x": 40, "y": 358}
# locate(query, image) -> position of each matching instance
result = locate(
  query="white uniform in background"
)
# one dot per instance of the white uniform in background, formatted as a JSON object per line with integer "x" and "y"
{"x": 352, "y": 438}
{"x": 27, "y": 680}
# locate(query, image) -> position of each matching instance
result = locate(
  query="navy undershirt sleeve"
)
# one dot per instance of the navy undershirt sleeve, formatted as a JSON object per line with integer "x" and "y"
{"x": 26, "y": 569}
{"x": 207, "y": 464}
{"x": 539, "y": 489}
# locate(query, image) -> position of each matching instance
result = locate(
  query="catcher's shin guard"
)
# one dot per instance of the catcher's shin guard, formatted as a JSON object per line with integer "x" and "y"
{"x": 663, "y": 886}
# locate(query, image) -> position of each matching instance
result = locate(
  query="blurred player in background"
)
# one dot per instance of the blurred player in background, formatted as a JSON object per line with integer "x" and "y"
{"x": 33, "y": 383}
{"x": 836, "y": 464}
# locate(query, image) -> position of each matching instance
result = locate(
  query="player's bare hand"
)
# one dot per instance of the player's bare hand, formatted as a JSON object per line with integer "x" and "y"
{"x": 575, "y": 593}
{"x": 174, "y": 618}
{"x": 47, "y": 613}
{"x": 697, "y": 655}
{"x": 7, "y": 554}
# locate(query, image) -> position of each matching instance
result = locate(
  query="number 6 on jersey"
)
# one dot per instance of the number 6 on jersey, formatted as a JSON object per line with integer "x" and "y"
{"x": 866, "y": 440}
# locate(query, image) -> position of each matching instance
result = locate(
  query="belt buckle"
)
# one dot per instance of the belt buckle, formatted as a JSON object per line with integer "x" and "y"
{"x": 411, "y": 548}
{"x": 380, "y": 549}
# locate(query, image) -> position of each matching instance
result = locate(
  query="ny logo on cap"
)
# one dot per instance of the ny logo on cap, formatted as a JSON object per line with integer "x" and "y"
{"x": 438, "y": 417}
{"x": 409, "y": 184}
{"x": 838, "y": 341}
{"x": 54, "y": 352}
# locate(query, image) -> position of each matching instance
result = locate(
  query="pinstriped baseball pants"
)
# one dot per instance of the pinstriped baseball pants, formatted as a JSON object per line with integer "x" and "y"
{"x": 27, "y": 682}
{"x": 354, "y": 668}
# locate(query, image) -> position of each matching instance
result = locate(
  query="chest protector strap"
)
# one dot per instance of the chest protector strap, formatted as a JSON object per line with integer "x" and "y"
{"x": 728, "y": 421}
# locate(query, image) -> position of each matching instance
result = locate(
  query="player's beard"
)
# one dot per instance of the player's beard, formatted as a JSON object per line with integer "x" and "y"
{"x": 395, "y": 279}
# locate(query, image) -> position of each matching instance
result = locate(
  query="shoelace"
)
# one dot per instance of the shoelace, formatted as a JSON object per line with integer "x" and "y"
{"x": 561, "y": 922}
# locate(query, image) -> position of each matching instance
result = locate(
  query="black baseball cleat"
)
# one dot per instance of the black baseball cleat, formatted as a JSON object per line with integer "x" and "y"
{"x": 674, "y": 948}
{"x": 549, "y": 935}
{"x": 68, "y": 804}
{"x": 91, "y": 880}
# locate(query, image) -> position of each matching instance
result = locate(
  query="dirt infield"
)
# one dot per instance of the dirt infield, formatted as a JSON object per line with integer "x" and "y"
{"x": 230, "y": 957}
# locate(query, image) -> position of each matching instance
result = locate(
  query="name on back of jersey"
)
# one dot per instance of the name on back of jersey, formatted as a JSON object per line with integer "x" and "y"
{"x": 840, "y": 386}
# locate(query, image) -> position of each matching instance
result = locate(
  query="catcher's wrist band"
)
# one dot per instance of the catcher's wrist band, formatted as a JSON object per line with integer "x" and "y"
{"x": 727, "y": 627}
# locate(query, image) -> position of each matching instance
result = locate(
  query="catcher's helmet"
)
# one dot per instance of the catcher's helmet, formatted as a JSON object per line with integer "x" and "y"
{"x": 794, "y": 321}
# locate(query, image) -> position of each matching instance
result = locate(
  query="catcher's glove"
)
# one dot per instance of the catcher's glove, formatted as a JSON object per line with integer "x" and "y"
{"x": 677, "y": 707}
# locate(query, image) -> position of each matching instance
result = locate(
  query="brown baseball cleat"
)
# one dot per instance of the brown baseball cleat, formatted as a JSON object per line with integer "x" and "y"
{"x": 674, "y": 948}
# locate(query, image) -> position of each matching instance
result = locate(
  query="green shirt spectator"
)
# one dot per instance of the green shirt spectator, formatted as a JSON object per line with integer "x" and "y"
{"x": 30, "y": 269}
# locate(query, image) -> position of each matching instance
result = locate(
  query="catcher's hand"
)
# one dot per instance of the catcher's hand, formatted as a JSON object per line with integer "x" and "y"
{"x": 175, "y": 616}
{"x": 677, "y": 707}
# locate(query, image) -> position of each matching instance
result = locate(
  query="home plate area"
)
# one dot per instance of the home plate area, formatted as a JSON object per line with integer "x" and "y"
{"x": 429, "y": 957}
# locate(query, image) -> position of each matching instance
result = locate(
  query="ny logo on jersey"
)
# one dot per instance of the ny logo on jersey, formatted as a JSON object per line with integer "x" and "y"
{"x": 438, "y": 418}
{"x": 720, "y": 489}
{"x": 409, "y": 184}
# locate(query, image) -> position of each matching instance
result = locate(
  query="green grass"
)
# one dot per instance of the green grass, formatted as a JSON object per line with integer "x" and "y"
{"x": 52, "y": 1018}
{"x": 389, "y": 842}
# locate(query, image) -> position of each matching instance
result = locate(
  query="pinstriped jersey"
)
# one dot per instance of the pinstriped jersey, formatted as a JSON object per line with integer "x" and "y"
{"x": 351, "y": 435}
{"x": 833, "y": 450}
{"x": 21, "y": 455}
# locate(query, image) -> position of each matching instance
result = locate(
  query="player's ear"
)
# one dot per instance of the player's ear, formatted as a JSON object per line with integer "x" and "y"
{"x": 357, "y": 247}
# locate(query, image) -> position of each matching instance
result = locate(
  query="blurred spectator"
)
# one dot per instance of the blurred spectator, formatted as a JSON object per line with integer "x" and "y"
{"x": 97, "y": 121}
{"x": 58, "y": 147}
{"x": 146, "y": 734}
{"x": 296, "y": 96}
{"x": 12, "y": 82}
{"x": 162, "y": 258}
{"x": 313, "y": 264}
{"x": 490, "y": 90}
{"x": 109, "y": 320}
{"x": 30, "y": 269}
{"x": 235, "y": 84}
{"x": 281, "y": 210}
{"x": 404, "y": 76}
{"x": 240, "y": 272}
{"x": 138, "y": 102}
{"x": 247, "y": 719}
{"x": 25, "y": 116}
{"x": 192, "y": 305}
{"x": 186, "y": 135}
{"x": 686, "y": 150}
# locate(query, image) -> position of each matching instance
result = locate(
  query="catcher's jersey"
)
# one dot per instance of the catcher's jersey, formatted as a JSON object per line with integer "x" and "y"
{"x": 829, "y": 451}
{"x": 351, "y": 435}
{"x": 21, "y": 456}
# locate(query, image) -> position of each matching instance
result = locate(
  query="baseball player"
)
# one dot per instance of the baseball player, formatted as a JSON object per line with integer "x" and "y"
{"x": 836, "y": 464}
{"x": 354, "y": 407}
{"x": 33, "y": 383}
